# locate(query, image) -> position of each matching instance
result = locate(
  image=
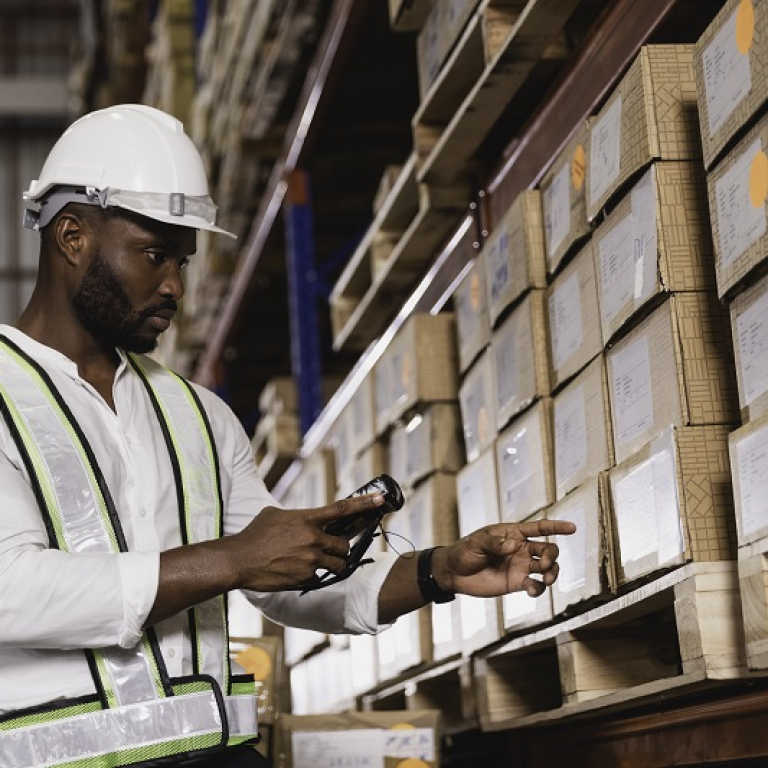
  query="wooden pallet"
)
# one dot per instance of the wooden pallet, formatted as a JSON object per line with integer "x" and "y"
{"x": 676, "y": 635}
{"x": 415, "y": 220}
{"x": 753, "y": 584}
{"x": 446, "y": 686}
{"x": 495, "y": 57}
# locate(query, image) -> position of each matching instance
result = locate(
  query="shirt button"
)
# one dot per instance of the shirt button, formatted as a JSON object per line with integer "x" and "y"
{"x": 143, "y": 512}
{"x": 172, "y": 653}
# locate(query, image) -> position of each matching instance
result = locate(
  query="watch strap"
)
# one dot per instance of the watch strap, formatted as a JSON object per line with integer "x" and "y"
{"x": 430, "y": 589}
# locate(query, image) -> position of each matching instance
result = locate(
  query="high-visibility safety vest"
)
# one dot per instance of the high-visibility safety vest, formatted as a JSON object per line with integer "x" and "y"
{"x": 139, "y": 713}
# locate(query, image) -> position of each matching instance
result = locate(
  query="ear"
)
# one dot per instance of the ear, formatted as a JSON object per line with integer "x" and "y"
{"x": 74, "y": 237}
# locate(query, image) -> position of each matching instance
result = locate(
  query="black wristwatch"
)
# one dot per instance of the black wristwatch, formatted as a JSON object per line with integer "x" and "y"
{"x": 430, "y": 589}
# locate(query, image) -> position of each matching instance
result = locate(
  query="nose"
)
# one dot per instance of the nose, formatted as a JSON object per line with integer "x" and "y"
{"x": 172, "y": 286}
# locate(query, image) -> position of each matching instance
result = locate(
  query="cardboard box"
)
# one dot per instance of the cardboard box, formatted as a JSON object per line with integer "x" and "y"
{"x": 438, "y": 35}
{"x": 585, "y": 557}
{"x": 676, "y": 367}
{"x": 582, "y": 428}
{"x": 361, "y": 413}
{"x": 749, "y": 326}
{"x": 430, "y": 441}
{"x": 424, "y": 362}
{"x": 525, "y": 463}
{"x": 748, "y": 448}
{"x": 520, "y": 357}
{"x": 279, "y": 395}
{"x": 477, "y": 401}
{"x": 513, "y": 254}
{"x": 262, "y": 657}
{"x": 405, "y": 645}
{"x": 315, "y": 484}
{"x": 730, "y": 77}
{"x": 564, "y": 200}
{"x": 656, "y": 241}
{"x": 322, "y": 683}
{"x": 446, "y": 629}
{"x": 478, "y": 504}
{"x": 520, "y": 610}
{"x": 651, "y": 115}
{"x": 672, "y": 502}
{"x": 738, "y": 188}
{"x": 575, "y": 336}
{"x": 299, "y": 643}
{"x": 360, "y": 738}
{"x": 365, "y": 663}
{"x": 473, "y": 324}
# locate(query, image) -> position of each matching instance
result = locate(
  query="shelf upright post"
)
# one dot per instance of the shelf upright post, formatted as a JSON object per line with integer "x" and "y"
{"x": 302, "y": 297}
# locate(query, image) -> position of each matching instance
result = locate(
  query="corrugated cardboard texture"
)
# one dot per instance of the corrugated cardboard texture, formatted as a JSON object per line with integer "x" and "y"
{"x": 731, "y": 80}
{"x": 657, "y": 240}
{"x": 520, "y": 357}
{"x": 584, "y": 557}
{"x": 477, "y": 401}
{"x": 402, "y": 723}
{"x": 749, "y": 328}
{"x": 582, "y": 428}
{"x": 738, "y": 187}
{"x": 525, "y": 463}
{"x": 575, "y": 336}
{"x": 672, "y": 502}
{"x": 473, "y": 324}
{"x": 564, "y": 200}
{"x": 519, "y": 610}
{"x": 513, "y": 254}
{"x": 749, "y": 468}
{"x": 651, "y": 115}
{"x": 424, "y": 362}
{"x": 676, "y": 367}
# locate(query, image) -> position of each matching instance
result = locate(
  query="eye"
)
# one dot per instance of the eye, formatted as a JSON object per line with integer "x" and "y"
{"x": 183, "y": 262}
{"x": 156, "y": 256}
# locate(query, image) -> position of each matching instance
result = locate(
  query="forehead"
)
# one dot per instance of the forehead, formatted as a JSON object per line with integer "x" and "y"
{"x": 133, "y": 228}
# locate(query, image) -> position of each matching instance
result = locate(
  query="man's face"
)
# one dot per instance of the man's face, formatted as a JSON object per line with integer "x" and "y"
{"x": 130, "y": 289}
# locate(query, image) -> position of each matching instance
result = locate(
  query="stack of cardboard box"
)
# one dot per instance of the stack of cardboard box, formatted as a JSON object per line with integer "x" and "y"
{"x": 733, "y": 98}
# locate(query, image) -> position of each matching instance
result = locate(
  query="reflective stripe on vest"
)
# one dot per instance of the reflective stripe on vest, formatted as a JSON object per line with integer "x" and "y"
{"x": 143, "y": 712}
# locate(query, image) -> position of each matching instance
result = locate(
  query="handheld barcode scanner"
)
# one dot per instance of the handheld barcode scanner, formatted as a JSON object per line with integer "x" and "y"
{"x": 360, "y": 529}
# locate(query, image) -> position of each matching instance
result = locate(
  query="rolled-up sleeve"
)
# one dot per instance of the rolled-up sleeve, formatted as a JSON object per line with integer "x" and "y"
{"x": 351, "y": 606}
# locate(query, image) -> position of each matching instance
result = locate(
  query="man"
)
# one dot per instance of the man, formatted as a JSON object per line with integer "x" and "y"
{"x": 131, "y": 502}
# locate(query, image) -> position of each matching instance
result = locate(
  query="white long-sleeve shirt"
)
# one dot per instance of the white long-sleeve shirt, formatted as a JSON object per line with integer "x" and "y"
{"x": 52, "y": 603}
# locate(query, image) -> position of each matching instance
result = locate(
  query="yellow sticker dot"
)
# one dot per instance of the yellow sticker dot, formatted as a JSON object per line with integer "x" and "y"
{"x": 412, "y": 762}
{"x": 474, "y": 292}
{"x": 745, "y": 26}
{"x": 758, "y": 180}
{"x": 256, "y": 661}
{"x": 578, "y": 167}
{"x": 402, "y": 727}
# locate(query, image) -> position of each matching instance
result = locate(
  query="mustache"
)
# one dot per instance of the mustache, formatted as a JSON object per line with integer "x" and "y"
{"x": 168, "y": 304}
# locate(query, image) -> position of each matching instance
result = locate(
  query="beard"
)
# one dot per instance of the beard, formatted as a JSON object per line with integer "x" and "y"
{"x": 107, "y": 312}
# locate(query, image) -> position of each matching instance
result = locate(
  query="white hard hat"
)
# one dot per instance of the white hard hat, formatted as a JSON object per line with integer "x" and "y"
{"x": 130, "y": 156}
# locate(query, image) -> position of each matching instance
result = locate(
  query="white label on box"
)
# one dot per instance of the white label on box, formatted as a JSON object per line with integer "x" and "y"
{"x": 420, "y": 530}
{"x": 415, "y": 743}
{"x": 752, "y": 332}
{"x": 633, "y": 395}
{"x": 474, "y": 617}
{"x": 752, "y": 459}
{"x": 518, "y": 604}
{"x": 442, "y": 623}
{"x": 740, "y": 222}
{"x": 645, "y": 237}
{"x": 505, "y": 359}
{"x": 476, "y": 491}
{"x": 727, "y": 75}
{"x": 515, "y": 466}
{"x": 605, "y": 151}
{"x": 565, "y": 320}
{"x": 647, "y": 507}
{"x": 617, "y": 268}
{"x": 557, "y": 208}
{"x": 475, "y": 412}
{"x": 497, "y": 264}
{"x": 323, "y": 749}
{"x": 571, "y": 447}
{"x": 417, "y": 445}
{"x": 573, "y": 555}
